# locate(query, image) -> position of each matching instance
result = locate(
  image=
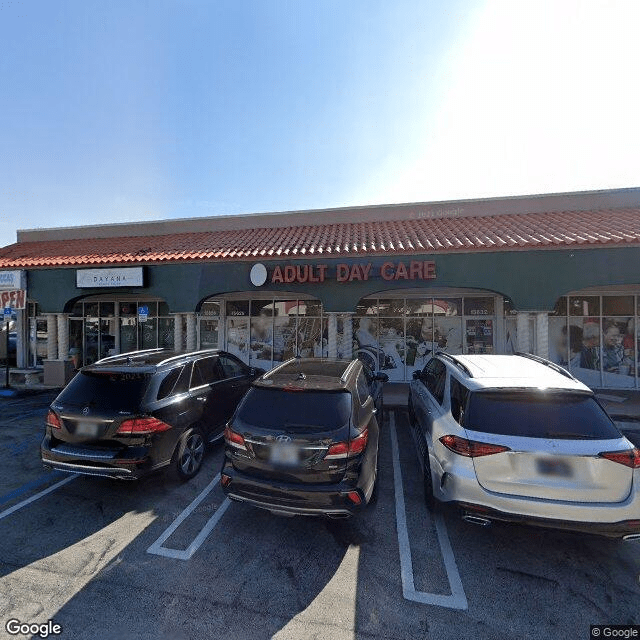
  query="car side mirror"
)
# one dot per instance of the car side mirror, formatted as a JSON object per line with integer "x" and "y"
{"x": 256, "y": 371}
{"x": 381, "y": 377}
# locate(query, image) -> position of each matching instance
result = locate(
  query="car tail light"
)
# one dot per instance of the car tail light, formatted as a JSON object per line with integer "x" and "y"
{"x": 225, "y": 480}
{"x": 628, "y": 457}
{"x": 353, "y": 448}
{"x": 234, "y": 439}
{"x": 471, "y": 448}
{"x": 142, "y": 426}
{"x": 53, "y": 421}
{"x": 355, "y": 497}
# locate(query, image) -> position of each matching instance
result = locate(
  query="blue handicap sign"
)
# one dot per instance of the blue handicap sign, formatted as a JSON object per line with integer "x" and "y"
{"x": 8, "y": 311}
{"x": 143, "y": 311}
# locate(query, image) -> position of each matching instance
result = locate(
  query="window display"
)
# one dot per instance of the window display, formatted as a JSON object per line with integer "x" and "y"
{"x": 394, "y": 335}
{"x": 600, "y": 350}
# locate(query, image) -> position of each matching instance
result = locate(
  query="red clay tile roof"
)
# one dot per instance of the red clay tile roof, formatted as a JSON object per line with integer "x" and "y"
{"x": 617, "y": 227}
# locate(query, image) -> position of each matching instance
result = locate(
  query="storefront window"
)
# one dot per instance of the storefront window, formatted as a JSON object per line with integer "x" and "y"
{"x": 479, "y": 336}
{"x": 128, "y": 334}
{"x": 584, "y": 306}
{"x": 599, "y": 349}
{"x": 394, "y": 335}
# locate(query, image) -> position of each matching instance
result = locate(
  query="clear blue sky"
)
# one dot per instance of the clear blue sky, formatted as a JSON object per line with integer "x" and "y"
{"x": 150, "y": 109}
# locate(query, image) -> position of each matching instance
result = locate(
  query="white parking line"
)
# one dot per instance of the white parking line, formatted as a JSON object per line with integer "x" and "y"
{"x": 184, "y": 554}
{"x": 36, "y": 496}
{"x": 457, "y": 599}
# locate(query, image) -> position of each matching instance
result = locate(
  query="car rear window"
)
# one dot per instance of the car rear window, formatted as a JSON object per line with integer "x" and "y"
{"x": 106, "y": 390}
{"x": 539, "y": 415}
{"x": 308, "y": 411}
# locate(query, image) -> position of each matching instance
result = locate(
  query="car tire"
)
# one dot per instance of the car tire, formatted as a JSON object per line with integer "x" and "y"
{"x": 427, "y": 483}
{"x": 189, "y": 454}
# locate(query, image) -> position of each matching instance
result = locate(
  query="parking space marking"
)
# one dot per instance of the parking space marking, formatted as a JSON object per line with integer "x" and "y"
{"x": 36, "y": 496}
{"x": 457, "y": 599}
{"x": 157, "y": 547}
{"x": 37, "y": 482}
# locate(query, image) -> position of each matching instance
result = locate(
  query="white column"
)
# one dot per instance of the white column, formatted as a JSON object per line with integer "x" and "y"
{"x": 63, "y": 336}
{"x": 332, "y": 335}
{"x": 177, "y": 332}
{"x": 191, "y": 331}
{"x": 542, "y": 334}
{"x": 52, "y": 336}
{"x": 524, "y": 339}
{"x": 347, "y": 336}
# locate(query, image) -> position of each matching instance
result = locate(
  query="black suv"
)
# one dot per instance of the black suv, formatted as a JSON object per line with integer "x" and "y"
{"x": 130, "y": 414}
{"x": 304, "y": 440}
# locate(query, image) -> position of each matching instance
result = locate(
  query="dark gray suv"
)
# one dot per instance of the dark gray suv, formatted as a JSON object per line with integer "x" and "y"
{"x": 127, "y": 415}
{"x": 304, "y": 440}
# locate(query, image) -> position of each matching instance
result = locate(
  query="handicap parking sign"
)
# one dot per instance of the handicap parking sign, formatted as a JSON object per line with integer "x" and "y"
{"x": 143, "y": 313}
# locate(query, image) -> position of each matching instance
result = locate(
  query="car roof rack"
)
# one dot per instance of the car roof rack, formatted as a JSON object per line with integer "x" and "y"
{"x": 552, "y": 365}
{"x": 188, "y": 353}
{"x": 463, "y": 367}
{"x": 129, "y": 354}
{"x": 347, "y": 372}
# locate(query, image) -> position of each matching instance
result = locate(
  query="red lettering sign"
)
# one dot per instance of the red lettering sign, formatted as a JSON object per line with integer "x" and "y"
{"x": 413, "y": 270}
{"x": 342, "y": 272}
{"x": 386, "y": 271}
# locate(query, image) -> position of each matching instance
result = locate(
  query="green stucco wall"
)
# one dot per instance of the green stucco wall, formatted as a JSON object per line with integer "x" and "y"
{"x": 532, "y": 279}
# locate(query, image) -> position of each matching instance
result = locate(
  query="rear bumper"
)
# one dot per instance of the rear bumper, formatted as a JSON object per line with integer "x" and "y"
{"x": 615, "y": 519}
{"x": 610, "y": 529}
{"x": 129, "y": 463}
{"x": 312, "y": 500}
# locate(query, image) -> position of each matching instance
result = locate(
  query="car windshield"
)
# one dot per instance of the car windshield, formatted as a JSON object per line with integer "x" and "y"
{"x": 308, "y": 411}
{"x": 106, "y": 390}
{"x": 539, "y": 415}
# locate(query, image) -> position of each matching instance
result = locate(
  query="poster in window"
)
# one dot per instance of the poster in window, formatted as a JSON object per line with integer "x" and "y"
{"x": 238, "y": 338}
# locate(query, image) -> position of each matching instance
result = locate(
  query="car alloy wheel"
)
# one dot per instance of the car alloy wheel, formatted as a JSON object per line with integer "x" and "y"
{"x": 190, "y": 454}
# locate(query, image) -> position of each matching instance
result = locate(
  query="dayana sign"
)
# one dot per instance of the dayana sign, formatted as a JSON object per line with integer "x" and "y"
{"x": 360, "y": 272}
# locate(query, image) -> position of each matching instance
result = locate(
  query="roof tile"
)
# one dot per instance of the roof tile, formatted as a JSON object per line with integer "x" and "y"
{"x": 488, "y": 233}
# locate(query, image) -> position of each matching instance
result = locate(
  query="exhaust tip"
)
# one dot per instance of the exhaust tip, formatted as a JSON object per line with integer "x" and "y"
{"x": 478, "y": 520}
{"x": 631, "y": 536}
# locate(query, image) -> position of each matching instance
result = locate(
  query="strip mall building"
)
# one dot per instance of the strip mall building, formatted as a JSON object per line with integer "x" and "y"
{"x": 557, "y": 275}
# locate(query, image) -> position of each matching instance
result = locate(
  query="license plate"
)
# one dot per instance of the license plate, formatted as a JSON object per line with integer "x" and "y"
{"x": 554, "y": 468}
{"x": 87, "y": 429}
{"x": 285, "y": 454}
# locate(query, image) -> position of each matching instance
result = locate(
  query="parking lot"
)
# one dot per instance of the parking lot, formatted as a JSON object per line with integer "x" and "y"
{"x": 160, "y": 559}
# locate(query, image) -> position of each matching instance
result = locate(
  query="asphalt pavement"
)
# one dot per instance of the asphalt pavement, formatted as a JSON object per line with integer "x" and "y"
{"x": 163, "y": 559}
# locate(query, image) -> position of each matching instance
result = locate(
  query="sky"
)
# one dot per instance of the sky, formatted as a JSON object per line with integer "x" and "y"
{"x": 154, "y": 109}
